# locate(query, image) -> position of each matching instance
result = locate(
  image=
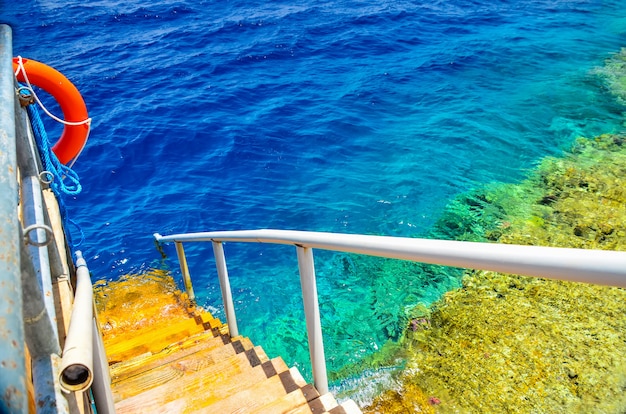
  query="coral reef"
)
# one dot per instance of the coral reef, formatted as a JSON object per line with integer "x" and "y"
{"x": 583, "y": 200}
{"x": 613, "y": 73}
{"x": 507, "y": 343}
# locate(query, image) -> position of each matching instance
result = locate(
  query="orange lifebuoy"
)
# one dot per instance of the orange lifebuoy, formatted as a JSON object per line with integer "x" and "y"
{"x": 74, "y": 135}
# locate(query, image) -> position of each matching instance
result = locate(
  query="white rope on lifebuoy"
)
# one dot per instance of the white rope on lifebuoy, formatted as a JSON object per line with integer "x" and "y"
{"x": 29, "y": 87}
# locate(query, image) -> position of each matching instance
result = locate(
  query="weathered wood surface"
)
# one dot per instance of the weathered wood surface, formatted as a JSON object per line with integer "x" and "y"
{"x": 155, "y": 339}
{"x": 194, "y": 366}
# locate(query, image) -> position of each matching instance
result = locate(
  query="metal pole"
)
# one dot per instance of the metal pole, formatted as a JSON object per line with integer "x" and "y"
{"x": 180, "y": 251}
{"x": 13, "y": 397}
{"x": 101, "y": 386}
{"x": 312, "y": 314}
{"x": 39, "y": 312}
{"x": 40, "y": 337}
{"x": 49, "y": 398}
{"x": 33, "y": 215}
{"x": 77, "y": 364}
{"x": 39, "y": 331}
{"x": 33, "y": 209}
{"x": 28, "y": 161}
{"x": 227, "y": 296}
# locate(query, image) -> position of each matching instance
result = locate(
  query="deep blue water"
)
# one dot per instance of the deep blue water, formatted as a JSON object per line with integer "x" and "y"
{"x": 342, "y": 116}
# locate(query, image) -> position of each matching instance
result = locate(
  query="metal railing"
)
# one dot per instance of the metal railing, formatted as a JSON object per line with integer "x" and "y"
{"x": 30, "y": 263}
{"x": 12, "y": 379}
{"x": 576, "y": 265}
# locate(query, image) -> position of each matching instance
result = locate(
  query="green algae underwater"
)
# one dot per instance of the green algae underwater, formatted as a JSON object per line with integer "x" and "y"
{"x": 508, "y": 343}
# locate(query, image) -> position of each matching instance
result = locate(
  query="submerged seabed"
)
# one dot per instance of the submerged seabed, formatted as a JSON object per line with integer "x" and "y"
{"x": 335, "y": 116}
{"x": 505, "y": 343}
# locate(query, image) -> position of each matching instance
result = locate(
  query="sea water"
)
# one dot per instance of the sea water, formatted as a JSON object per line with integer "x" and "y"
{"x": 343, "y": 116}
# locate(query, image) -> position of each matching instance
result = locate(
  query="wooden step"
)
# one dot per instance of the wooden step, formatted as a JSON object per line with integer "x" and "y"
{"x": 229, "y": 386}
{"x": 202, "y": 386}
{"x": 255, "y": 396}
{"x": 203, "y": 362}
{"x": 347, "y": 407}
{"x": 213, "y": 375}
{"x": 304, "y": 399}
{"x": 125, "y": 346}
{"x": 196, "y": 343}
{"x": 188, "y": 363}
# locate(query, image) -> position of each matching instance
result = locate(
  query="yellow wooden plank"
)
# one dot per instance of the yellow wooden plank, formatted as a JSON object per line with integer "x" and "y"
{"x": 63, "y": 302}
{"x": 62, "y": 289}
{"x": 248, "y": 399}
{"x": 54, "y": 214}
{"x": 349, "y": 407}
{"x": 202, "y": 386}
{"x": 328, "y": 401}
{"x": 297, "y": 377}
{"x": 305, "y": 400}
{"x": 130, "y": 344}
{"x": 30, "y": 388}
{"x": 173, "y": 352}
{"x": 173, "y": 369}
{"x": 229, "y": 385}
{"x": 294, "y": 402}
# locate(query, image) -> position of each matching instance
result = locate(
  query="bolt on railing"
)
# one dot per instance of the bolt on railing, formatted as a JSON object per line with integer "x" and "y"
{"x": 576, "y": 265}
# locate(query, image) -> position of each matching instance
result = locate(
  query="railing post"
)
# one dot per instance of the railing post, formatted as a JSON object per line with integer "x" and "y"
{"x": 227, "y": 296}
{"x": 312, "y": 314}
{"x": 101, "y": 387}
{"x": 180, "y": 251}
{"x": 42, "y": 344}
{"x": 39, "y": 235}
{"x": 33, "y": 216}
{"x": 12, "y": 368}
{"x": 39, "y": 331}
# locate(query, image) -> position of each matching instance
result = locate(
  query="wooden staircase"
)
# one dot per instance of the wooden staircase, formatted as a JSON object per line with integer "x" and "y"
{"x": 192, "y": 365}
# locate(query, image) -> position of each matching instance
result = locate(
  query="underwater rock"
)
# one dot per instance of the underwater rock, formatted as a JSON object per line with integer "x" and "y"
{"x": 614, "y": 74}
{"x": 507, "y": 343}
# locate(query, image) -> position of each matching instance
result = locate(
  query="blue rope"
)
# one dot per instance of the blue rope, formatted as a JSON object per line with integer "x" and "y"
{"x": 60, "y": 173}
{"x": 64, "y": 180}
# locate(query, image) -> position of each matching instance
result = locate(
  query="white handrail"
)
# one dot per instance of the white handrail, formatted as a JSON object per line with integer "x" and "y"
{"x": 577, "y": 265}
{"x": 602, "y": 267}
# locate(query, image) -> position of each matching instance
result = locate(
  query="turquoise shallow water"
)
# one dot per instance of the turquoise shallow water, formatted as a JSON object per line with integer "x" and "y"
{"x": 334, "y": 116}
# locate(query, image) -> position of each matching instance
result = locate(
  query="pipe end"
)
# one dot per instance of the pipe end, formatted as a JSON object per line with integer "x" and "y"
{"x": 76, "y": 377}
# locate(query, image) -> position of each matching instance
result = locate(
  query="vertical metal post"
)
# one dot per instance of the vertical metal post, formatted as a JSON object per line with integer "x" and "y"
{"x": 227, "y": 296}
{"x": 101, "y": 386}
{"x": 40, "y": 335}
{"x": 13, "y": 397}
{"x": 312, "y": 314}
{"x": 180, "y": 251}
{"x": 33, "y": 212}
{"x": 33, "y": 215}
{"x": 48, "y": 395}
{"x": 39, "y": 331}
